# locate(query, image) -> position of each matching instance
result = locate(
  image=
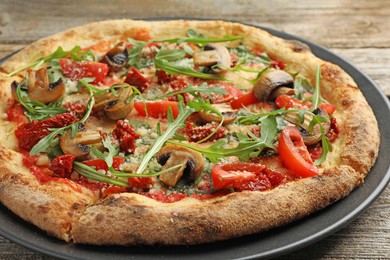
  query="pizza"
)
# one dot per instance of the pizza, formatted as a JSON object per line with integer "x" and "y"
{"x": 176, "y": 132}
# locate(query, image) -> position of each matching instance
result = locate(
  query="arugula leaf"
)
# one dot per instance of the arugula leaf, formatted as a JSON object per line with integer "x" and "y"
{"x": 171, "y": 55}
{"x": 179, "y": 122}
{"x": 36, "y": 110}
{"x": 246, "y": 56}
{"x": 316, "y": 98}
{"x": 135, "y": 51}
{"x": 246, "y": 149}
{"x": 45, "y": 142}
{"x": 174, "y": 70}
{"x": 301, "y": 85}
{"x": 90, "y": 173}
{"x": 112, "y": 151}
{"x": 326, "y": 148}
{"x": 191, "y": 33}
{"x": 200, "y": 39}
{"x": 197, "y": 90}
{"x": 75, "y": 53}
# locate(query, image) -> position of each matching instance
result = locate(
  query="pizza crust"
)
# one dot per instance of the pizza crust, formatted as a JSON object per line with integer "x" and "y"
{"x": 128, "y": 219}
{"x": 50, "y": 206}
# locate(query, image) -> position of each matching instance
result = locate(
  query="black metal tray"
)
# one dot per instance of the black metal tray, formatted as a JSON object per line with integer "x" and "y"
{"x": 273, "y": 243}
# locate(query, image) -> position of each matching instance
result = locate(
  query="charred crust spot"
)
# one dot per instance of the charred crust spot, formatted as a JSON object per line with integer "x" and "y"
{"x": 109, "y": 201}
{"x": 347, "y": 103}
{"x": 99, "y": 218}
{"x": 297, "y": 46}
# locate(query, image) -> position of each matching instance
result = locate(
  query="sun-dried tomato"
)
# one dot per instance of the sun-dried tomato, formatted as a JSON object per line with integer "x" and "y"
{"x": 141, "y": 182}
{"x": 135, "y": 78}
{"x": 196, "y": 133}
{"x": 163, "y": 77}
{"x": 333, "y": 132}
{"x": 62, "y": 165}
{"x": 125, "y": 135}
{"x": 29, "y": 134}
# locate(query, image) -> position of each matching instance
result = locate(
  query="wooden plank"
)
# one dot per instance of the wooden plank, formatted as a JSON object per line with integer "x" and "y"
{"x": 352, "y": 24}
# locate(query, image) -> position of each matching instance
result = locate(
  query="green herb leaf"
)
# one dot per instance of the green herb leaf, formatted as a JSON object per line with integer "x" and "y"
{"x": 171, "y": 55}
{"x": 197, "y": 90}
{"x": 112, "y": 150}
{"x": 179, "y": 122}
{"x": 91, "y": 173}
{"x": 36, "y": 110}
{"x": 45, "y": 142}
{"x": 76, "y": 53}
{"x": 246, "y": 149}
{"x": 174, "y": 70}
{"x": 135, "y": 51}
{"x": 301, "y": 86}
{"x": 200, "y": 39}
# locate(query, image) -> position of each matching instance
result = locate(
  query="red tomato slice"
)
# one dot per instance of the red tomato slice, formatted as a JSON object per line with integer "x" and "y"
{"x": 294, "y": 154}
{"x": 157, "y": 109}
{"x": 244, "y": 100}
{"x": 233, "y": 92}
{"x": 76, "y": 70}
{"x": 328, "y": 108}
{"x": 233, "y": 175}
{"x": 114, "y": 190}
{"x": 100, "y": 164}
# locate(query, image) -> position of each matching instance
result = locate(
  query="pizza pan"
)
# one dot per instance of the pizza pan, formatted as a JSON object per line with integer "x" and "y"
{"x": 264, "y": 245}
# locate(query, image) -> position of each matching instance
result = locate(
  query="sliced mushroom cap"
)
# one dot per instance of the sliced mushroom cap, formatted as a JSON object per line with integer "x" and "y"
{"x": 115, "y": 106}
{"x": 192, "y": 163}
{"x": 226, "y": 110}
{"x": 281, "y": 91}
{"x": 215, "y": 57}
{"x": 309, "y": 137}
{"x": 39, "y": 87}
{"x": 78, "y": 145}
{"x": 117, "y": 57}
{"x": 269, "y": 81}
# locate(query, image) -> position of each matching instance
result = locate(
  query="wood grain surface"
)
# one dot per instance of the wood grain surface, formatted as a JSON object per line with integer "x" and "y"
{"x": 357, "y": 30}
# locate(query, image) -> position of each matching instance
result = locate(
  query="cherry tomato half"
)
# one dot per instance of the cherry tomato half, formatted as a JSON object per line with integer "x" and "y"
{"x": 294, "y": 154}
{"x": 157, "y": 109}
{"x": 76, "y": 70}
{"x": 244, "y": 100}
{"x": 233, "y": 175}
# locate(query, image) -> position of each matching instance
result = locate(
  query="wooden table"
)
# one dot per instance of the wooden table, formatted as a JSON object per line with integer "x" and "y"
{"x": 357, "y": 30}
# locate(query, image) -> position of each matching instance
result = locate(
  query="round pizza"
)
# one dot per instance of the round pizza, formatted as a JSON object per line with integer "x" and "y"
{"x": 176, "y": 132}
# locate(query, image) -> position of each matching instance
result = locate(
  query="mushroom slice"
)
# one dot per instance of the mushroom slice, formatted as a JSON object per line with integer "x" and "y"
{"x": 229, "y": 115}
{"x": 281, "y": 91}
{"x": 78, "y": 145}
{"x": 313, "y": 137}
{"x": 269, "y": 81}
{"x": 117, "y": 57}
{"x": 40, "y": 89}
{"x": 213, "y": 54}
{"x": 115, "y": 106}
{"x": 172, "y": 155}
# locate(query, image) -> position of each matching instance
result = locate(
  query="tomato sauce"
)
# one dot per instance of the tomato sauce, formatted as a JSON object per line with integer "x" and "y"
{"x": 16, "y": 114}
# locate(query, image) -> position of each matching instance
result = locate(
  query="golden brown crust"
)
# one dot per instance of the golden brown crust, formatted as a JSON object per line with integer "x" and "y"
{"x": 50, "y": 206}
{"x": 134, "y": 219}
